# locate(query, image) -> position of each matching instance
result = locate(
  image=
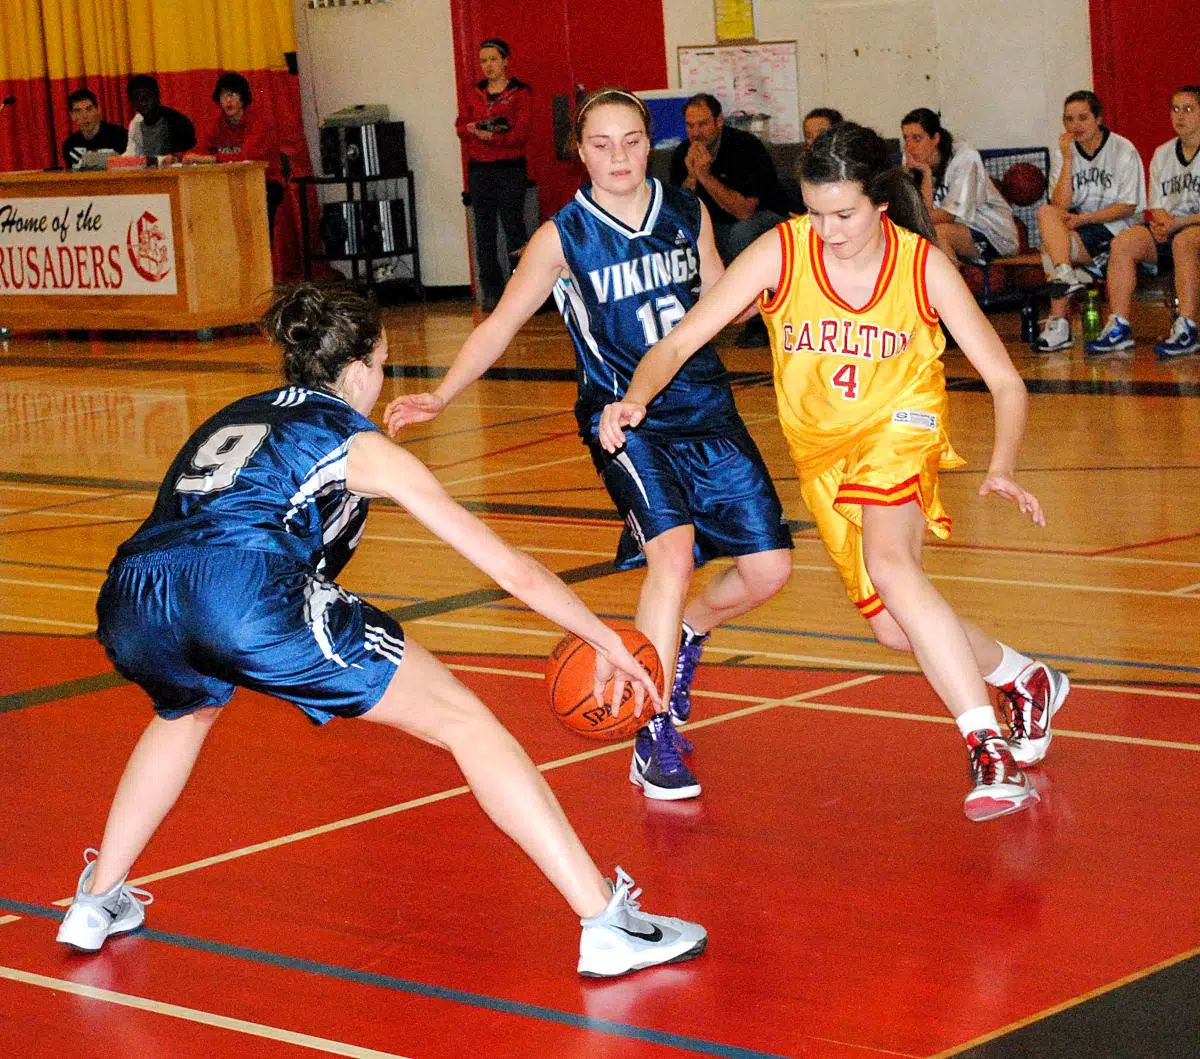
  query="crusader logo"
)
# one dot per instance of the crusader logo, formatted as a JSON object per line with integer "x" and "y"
{"x": 148, "y": 250}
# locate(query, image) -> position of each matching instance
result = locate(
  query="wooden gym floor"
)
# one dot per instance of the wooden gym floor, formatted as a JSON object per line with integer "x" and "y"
{"x": 339, "y": 892}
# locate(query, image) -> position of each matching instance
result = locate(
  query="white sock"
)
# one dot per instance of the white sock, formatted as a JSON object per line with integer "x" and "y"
{"x": 1123, "y": 321}
{"x": 1012, "y": 665}
{"x": 978, "y": 719}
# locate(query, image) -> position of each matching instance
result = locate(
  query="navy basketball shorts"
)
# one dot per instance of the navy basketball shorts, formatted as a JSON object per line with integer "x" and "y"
{"x": 1096, "y": 239}
{"x": 719, "y": 485}
{"x": 189, "y": 625}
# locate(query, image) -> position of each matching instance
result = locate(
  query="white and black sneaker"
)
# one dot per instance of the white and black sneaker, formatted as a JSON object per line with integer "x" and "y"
{"x": 1055, "y": 335}
{"x": 1068, "y": 281}
{"x": 92, "y": 918}
{"x": 623, "y": 938}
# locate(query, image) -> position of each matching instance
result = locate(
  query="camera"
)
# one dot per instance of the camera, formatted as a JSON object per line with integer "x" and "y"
{"x": 494, "y": 125}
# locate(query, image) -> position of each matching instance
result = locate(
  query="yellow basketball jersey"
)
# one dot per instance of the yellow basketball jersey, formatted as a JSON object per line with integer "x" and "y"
{"x": 843, "y": 372}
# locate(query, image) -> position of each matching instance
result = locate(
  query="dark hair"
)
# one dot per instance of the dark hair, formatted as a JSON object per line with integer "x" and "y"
{"x": 236, "y": 83}
{"x": 710, "y": 101}
{"x": 1190, "y": 89}
{"x": 931, "y": 122}
{"x": 621, "y": 96}
{"x": 321, "y": 330}
{"x": 500, "y": 45}
{"x": 139, "y": 82}
{"x": 1090, "y": 98}
{"x": 80, "y": 95}
{"x": 853, "y": 152}
{"x": 834, "y": 117}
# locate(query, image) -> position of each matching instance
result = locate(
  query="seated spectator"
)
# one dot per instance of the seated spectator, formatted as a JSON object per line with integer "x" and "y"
{"x": 1171, "y": 233}
{"x": 817, "y": 120}
{"x": 970, "y": 216}
{"x": 1097, "y": 184}
{"x": 734, "y": 176}
{"x": 239, "y": 134}
{"x": 91, "y": 133}
{"x": 156, "y": 131}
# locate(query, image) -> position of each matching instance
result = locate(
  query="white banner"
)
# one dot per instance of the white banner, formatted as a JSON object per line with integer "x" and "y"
{"x": 107, "y": 244}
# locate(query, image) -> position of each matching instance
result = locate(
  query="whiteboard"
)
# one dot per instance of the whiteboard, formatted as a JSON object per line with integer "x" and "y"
{"x": 749, "y": 79}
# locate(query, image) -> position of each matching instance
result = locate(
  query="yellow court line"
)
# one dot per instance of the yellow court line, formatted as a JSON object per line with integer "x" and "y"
{"x": 205, "y": 1018}
{"x": 958, "y": 1049}
{"x": 14, "y": 512}
{"x": 89, "y": 627}
{"x": 945, "y": 548}
{"x": 49, "y": 584}
{"x": 8, "y": 919}
{"x": 1125, "y": 690}
{"x": 515, "y": 470}
{"x": 841, "y": 663}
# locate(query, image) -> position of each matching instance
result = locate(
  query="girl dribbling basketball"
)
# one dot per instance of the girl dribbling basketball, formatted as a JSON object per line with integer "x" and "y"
{"x": 852, "y": 295}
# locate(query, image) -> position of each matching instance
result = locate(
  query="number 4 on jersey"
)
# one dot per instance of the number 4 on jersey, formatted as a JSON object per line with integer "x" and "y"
{"x": 846, "y": 380}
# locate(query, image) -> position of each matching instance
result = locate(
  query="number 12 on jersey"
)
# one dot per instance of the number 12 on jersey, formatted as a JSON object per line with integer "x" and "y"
{"x": 846, "y": 380}
{"x": 658, "y": 317}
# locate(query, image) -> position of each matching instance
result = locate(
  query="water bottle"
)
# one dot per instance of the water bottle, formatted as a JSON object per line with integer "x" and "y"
{"x": 1091, "y": 316}
{"x": 1029, "y": 322}
{"x": 1171, "y": 302}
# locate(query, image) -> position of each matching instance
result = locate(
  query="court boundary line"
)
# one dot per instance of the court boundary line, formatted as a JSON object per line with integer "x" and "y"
{"x": 396, "y": 984}
{"x": 206, "y": 1018}
{"x": 1066, "y": 1005}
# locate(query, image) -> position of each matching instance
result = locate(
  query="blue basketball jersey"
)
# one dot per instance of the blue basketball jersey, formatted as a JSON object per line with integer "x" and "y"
{"x": 266, "y": 473}
{"x": 627, "y": 288}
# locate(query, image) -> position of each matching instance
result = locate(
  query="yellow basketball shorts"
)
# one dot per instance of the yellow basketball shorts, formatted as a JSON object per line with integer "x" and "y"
{"x": 891, "y": 466}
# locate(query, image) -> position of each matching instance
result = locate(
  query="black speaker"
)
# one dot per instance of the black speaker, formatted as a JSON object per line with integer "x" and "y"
{"x": 364, "y": 150}
{"x": 377, "y": 227}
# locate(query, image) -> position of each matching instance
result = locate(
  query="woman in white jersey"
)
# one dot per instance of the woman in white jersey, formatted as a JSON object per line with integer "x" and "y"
{"x": 970, "y": 216}
{"x": 1171, "y": 233}
{"x": 1097, "y": 184}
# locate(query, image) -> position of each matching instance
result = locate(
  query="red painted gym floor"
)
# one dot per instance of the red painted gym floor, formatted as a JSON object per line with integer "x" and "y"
{"x": 853, "y": 911}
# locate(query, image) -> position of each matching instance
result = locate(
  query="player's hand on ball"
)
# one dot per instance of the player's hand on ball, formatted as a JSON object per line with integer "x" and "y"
{"x": 615, "y": 418}
{"x": 1007, "y": 487}
{"x": 411, "y": 408}
{"x": 619, "y": 665}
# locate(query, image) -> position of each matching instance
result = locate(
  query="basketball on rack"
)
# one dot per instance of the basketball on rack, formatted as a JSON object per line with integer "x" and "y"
{"x": 1023, "y": 184}
{"x": 570, "y": 675}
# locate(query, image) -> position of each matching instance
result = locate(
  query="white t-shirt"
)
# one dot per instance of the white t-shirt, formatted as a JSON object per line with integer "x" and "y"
{"x": 968, "y": 193}
{"x": 1174, "y": 183}
{"x": 1113, "y": 174}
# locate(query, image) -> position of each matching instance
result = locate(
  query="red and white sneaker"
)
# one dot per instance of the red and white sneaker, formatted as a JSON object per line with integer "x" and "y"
{"x": 1029, "y": 703}
{"x": 999, "y": 786}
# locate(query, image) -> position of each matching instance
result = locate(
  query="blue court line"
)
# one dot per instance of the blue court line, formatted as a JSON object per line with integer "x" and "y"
{"x": 422, "y": 989}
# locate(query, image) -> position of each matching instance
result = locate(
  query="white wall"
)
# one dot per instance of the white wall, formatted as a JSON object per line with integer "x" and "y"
{"x": 401, "y": 54}
{"x": 997, "y": 70}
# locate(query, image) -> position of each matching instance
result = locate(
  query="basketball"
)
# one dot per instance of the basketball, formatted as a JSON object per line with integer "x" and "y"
{"x": 1023, "y": 184}
{"x": 570, "y": 674}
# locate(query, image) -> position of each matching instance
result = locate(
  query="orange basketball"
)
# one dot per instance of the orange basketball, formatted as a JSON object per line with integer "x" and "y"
{"x": 1023, "y": 184}
{"x": 570, "y": 673}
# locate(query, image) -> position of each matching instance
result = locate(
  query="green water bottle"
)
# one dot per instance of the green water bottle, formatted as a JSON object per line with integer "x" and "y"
{"x": 1091, "y": 316}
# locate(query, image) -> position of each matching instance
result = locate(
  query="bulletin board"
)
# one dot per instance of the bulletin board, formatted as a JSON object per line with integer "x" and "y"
{"x": 748, "y": 79}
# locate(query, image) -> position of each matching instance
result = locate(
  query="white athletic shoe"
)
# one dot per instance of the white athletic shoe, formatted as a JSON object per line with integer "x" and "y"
{"x": 1055, "y": 335}
{"x": 1029, "y": 704}
{"x": 999, "y": 787}
{"x": 623, "y": 938}
{"x": 92, "y": 918}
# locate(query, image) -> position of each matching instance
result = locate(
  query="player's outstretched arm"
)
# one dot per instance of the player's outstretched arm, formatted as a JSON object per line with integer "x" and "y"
{"x": 982, "y": 346}
{"x": 753, "y": 271}
{"x": 540, "y": 265}
{"x": 377, "y": 467}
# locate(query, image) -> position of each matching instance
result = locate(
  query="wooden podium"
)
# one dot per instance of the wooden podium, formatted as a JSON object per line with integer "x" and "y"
{"x": 208, "y": 266}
